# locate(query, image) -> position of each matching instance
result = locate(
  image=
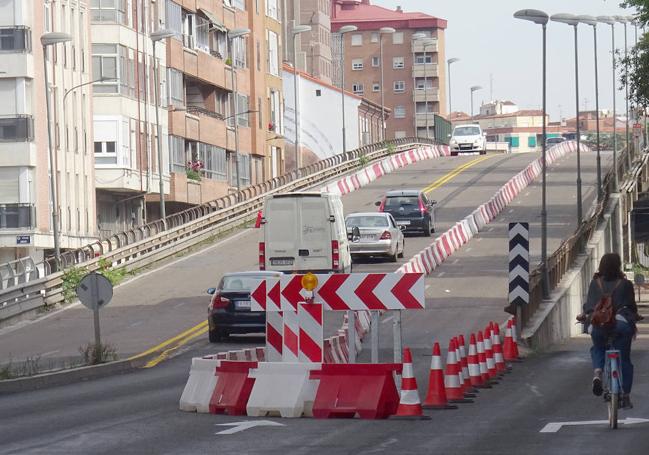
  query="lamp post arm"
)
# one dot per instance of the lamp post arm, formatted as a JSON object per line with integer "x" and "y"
{"x": 103, "y": 79}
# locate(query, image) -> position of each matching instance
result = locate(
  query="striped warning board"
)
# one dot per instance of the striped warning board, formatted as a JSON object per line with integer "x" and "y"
{"x": 519, "y": 264}
{"x": 309, "y": 316}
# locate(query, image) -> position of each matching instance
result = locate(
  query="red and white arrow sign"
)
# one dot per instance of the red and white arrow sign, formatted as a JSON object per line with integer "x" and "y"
{"x": 291, "y": 291}
{"x": 266, "y": 296}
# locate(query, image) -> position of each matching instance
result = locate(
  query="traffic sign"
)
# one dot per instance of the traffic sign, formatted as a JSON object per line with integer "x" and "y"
{"x": 95, "y": 291}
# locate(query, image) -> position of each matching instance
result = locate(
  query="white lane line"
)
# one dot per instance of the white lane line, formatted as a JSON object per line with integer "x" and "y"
{"x": 441, "y": 274}
{"x": 50, "y": 353}
{"x": 511, "y": 210}
{"x": 455, "y": 261}
{"x": 490, "y": 229}
{"x": 468, "y": 249}
{"x": 386, "y": 320}
{"x": 426, "y": 287}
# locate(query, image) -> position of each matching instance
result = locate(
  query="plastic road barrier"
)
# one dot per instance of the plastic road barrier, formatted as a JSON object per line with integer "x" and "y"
{"x": 200, "y": 385}
{"x": 233, "y": 388}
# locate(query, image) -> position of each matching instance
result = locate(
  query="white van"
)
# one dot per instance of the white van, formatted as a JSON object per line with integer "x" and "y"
{"x": 304, "y": 232}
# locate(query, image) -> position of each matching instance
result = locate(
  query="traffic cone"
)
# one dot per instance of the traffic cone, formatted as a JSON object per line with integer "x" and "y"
{"x": 409, "y": 404}
{"x": 452, "y": 373}
{"x": 436, "y": 395}
{"x": 482, "y": 359}
{"x": 509, "y": 352}
{"x": 460, "y": 352}
{"x": 489, "y": 354}
{"x": 498, "y": 350}
{"x": 515, "y": 338}
{"x": 258, "y": 220}
{"x": 474, "y": 365}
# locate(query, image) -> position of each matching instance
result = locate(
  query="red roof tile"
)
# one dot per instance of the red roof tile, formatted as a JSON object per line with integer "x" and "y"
{"x": 369, "y": 17}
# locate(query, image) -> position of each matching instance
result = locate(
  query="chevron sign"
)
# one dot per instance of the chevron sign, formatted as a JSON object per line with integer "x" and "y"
{"x": 519, "y": 263}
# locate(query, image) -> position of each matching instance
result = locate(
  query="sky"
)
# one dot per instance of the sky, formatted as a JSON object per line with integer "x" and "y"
{"x": 496, "y": 50}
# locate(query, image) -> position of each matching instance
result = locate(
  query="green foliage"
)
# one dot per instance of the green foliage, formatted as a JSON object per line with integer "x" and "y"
{"x": 92, "y": 354}
{"x": 363, "y": 161}
{"x": 390, "y": 148}
{"x": 193, "y": 175}
{"x": 71, "y": 279}
{"x": 115, "y": 276}
{"x": 228, "y": 61}
{"x": 6, "y": 371}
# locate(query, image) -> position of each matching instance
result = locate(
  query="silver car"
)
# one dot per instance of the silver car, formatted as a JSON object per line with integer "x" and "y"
{"x": 379, "y": 235}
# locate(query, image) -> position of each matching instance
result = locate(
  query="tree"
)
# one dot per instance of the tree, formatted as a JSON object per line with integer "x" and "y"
{"x": 638, "y": 59}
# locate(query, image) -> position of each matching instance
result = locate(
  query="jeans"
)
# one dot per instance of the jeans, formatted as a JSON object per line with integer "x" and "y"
{"x": 622, "y": 342}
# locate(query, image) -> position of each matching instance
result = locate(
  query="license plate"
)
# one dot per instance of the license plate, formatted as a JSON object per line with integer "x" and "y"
{"x": 242, "y": 305}
{"x": 403, "y": 222}
{"x": 281, "y": 261}
{"x": 367, "y": 237}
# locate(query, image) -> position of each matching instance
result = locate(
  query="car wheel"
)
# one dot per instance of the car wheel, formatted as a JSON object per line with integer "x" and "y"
{"x": 393, "y": 257}
{"x": 403, "y": 249}
{"x": 430, "y": 229}
{"x": 454, "y": 153}
{"x": 483, "y": 152}
{"x": 215, "y": 336}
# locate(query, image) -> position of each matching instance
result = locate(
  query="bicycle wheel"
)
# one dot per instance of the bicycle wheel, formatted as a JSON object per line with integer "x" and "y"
{"x": 612, "y": 410}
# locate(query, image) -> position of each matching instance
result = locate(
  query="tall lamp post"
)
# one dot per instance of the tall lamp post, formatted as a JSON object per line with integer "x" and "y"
{"x": 232, "y": 35}
{"x": 610, "y": 21}
{"x": 573, "y": 21}
{"x": 344, "y": 29}
{"x": 383, "y": 31}
{"x": 541, "y": 18}
{"x": 590, "y": 20}
{"x": 449, "y": 62}
{"x": 52, "y": 39}
{"x": 155, "y": 37}
{"x": 297, "y": 29}
{"x": 623, "y": 20}
{"x": 474, "y": 89}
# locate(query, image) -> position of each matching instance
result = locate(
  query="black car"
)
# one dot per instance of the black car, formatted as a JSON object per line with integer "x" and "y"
{"x": 229, "y": 310}
{"x": 411, "y": 209}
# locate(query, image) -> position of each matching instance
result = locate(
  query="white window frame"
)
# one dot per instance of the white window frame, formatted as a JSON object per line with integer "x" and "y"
{"x": 272, "y": 41}
{"x": 399, "y": 111}
{"x": 423, "y": 58}
{"x": 397, "y": 38}
{"x": 376, "y": 62}
{"x": 376, "y": 87}
{"x": 398, "y": 63}
{"x": 399, "y": 86}
{"x": 399, "y": 134}
{"x": 374, "y": 37}
{"x": 272, "y": 9}
{"x": 357, "y": 64}
{"x": 358, "y": 88}
{"x": 357, "y": 39}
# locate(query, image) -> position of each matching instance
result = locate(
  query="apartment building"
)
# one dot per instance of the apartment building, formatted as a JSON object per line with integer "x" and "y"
{"x": 25, "y": 201}
{"x": 414, "y": 73}
{"x": 313, "y": 48}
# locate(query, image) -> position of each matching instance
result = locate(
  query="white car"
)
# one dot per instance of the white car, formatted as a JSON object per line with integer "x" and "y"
{"x": 379, "y": 235}
{"x": 468, "y": 139}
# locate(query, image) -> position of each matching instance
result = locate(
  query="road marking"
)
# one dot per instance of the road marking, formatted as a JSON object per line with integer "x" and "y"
{"x": 50, "y": 353}
{"x": 441, "y": 274}
{"x": 468, "y": 249}
{"x": 491, "y": 229}
{"x": 456, "y": 260}
{"x": 246, "y": 425}
{"x": 164, "y": 355}
{"x": 448, "y": 291}
{"x": 426, "y": 287}
{"x": 455, "y": 172}
{"x": 191, "y": 332}
{"x": 553, "y": 427}
{"x": 511, "y": 210}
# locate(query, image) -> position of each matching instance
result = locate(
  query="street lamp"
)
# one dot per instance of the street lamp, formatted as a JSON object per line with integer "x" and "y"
{"x": 623, "y": 20}
{"x": 52, "y": 39}
{"x": 155, "y": 37}
{"x": 344, "y": 29}
{"x": 473, "y": 89}
{"x": 610, "y": 21}
{"x": 383, "y": 31}
{"x": 590, "y": 20}
{"x": 449, "y": 62}
{"x": 541, "y": 18}
{"x": 297, "y": 29}
{"x": 232, "y": 34}
{"x": 573, "y": 21}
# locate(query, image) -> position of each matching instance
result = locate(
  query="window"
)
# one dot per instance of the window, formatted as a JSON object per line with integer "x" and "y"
{"x": 421, "y": 107}
{"x": 423, "y": 58}
{"x": 17, "y": 128}
{"x": 399, "y": 112}
{"x": 238, "y": 52}
{"x": 357, "y": 64}
{"x": 244, "y": 169}
{"x": 272, "y": 9}
{"x": 214, "y": 161}
{"x": 399, "y": 134}
{"x": 177, "y": 153}
{"x": 241, "y": 4}
{"x": 357, "y": 89}
{"x": 374, "y": 38}
{"x": 399, "y": 86}
{"x": 531, "y": 141}
{"x": 513, "y": 141}
{"x": 357, "y": 39}
{"x": 376, "y": 61}
{"x": 423, "y": 83}
{"x": 202, "y": 34}
{"x": 15, "y": 39}
{"x": 376, "y": 87}
{"x": 243, "y": 106}
{"x": 397, "y": 38}
{"x": 174, "y": 17}
{"x": 47, "y": 17}
{"x": 397, "y": 63}
{"x": 104, "y": 66}
{"x": 108, "y": 11}
{"x": 189, "y": 30}
{"x": 105, "y": 153}
{"x": 273, "y": 53}
{"x": 175, "y": 87}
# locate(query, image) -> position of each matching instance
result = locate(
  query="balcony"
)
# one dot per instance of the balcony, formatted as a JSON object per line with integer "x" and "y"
{"x": 430, "y": 95}
{"x": 16, "y": 128}
{"x": 423, "y": 119}
{"x": 17, "y": 216}
{"x": 417, "y": 46}
{"x": 425, "y": 70}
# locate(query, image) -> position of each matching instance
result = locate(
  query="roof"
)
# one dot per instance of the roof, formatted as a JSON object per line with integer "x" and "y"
{"x": 371, "y": 17}
{"x": 403, "y": 193}
{"x": 383, "y": 214}
{"x": 289, "y": 68}
{"x": 520, "y": 113}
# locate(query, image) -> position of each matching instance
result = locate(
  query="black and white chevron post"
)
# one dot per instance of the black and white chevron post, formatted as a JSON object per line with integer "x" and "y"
{"x": 519, "y": 264}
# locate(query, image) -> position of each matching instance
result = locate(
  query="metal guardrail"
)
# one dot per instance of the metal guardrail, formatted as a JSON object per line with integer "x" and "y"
{"x": 149, "y": 243}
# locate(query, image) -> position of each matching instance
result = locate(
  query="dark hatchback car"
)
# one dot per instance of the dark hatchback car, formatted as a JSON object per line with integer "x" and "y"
{"x": 229, "y": 310}
{"x": 411, "y": 209}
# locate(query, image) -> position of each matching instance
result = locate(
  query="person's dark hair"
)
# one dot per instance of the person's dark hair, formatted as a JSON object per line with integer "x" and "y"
{"x": 610, "y": 267}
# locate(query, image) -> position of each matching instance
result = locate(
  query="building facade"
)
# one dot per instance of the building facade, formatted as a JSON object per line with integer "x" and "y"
{"x": 26, "y": 227}
{"x": 414, "y": 74}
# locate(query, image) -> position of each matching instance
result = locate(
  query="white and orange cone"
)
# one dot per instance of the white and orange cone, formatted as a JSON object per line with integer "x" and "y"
{"x": 436, "y": 395}
{"x": 498, "y": 350}
{"x": 482, "y": 358}
{"x": 409, "y": 403}
{"x": 460, "y": 352}
{"x": 509, "y": 352}
{"x": 452, "y": 383}
{"x": 489, "y": 353}
{"x": 474, "y": 365}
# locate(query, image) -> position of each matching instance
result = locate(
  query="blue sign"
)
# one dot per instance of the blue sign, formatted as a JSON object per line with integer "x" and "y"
{"x": 23, "y": 239}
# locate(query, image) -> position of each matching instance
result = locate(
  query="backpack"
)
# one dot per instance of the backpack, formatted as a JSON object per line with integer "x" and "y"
{"x": 604, "y": 313}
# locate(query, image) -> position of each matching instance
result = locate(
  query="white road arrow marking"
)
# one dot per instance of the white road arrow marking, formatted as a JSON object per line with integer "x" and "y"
{"x": 245, "y": 425}
{"x": 553, "y": 427}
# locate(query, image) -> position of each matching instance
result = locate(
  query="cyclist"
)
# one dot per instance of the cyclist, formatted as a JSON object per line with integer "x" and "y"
{"x": 611, "y": 280}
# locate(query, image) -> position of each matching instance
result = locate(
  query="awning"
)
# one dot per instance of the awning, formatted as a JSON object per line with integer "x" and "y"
{"x": 215, "y": 23}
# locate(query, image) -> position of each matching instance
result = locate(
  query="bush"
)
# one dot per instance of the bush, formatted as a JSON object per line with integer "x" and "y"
{"x": 115, "y": 276}
{"x": 71, "y": 279}
{"x": 390, "y": 148}
{"x": 193, "y": 175}
{"x": 93, "y": 355}
{"x": 363, "y": 160}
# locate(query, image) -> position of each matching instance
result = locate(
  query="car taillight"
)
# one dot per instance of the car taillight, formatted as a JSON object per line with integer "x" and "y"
{"x": 422, "y": 207}
{"x": 262, "y": 256}
{"x": 219, "y": 302}
{"x": 382, "y": 206}
{"x": 386, "y": 235}
{"x": 335, "y": 255}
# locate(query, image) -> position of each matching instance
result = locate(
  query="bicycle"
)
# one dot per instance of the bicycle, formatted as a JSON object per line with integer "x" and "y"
{"x": 613, "y": 385}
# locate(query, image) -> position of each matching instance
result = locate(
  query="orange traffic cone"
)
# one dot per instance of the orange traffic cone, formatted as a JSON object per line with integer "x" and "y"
{"x": 409, "y": 404}
{"x": 482, "y": 359}
{"x": 498, "y": 350}
{"x": 474, "y": 365}
{"x": 436, "y": 395}
{"x": 489, "y": 353}
{"x": 452, "y": 373}
{"x": 509, "y": 352}
{"x": 460, "y": 354}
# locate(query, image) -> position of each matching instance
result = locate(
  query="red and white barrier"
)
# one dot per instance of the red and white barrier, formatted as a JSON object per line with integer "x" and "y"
{"x": 290, "y": 344}
{"x": 274, "y": 334}
{"x": 311, "y": 332}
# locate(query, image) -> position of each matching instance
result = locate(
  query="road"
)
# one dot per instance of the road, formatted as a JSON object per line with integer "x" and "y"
{"x": 137, "y": 412}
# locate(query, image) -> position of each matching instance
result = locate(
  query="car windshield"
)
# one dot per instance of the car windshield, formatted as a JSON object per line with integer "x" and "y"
{"x": 553, "y": 140}
{"x": 367, "y": 221}
{"x": 466, "y": 131}
{"x": 395, "y": 202}
{"x": 243, "y": 283}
